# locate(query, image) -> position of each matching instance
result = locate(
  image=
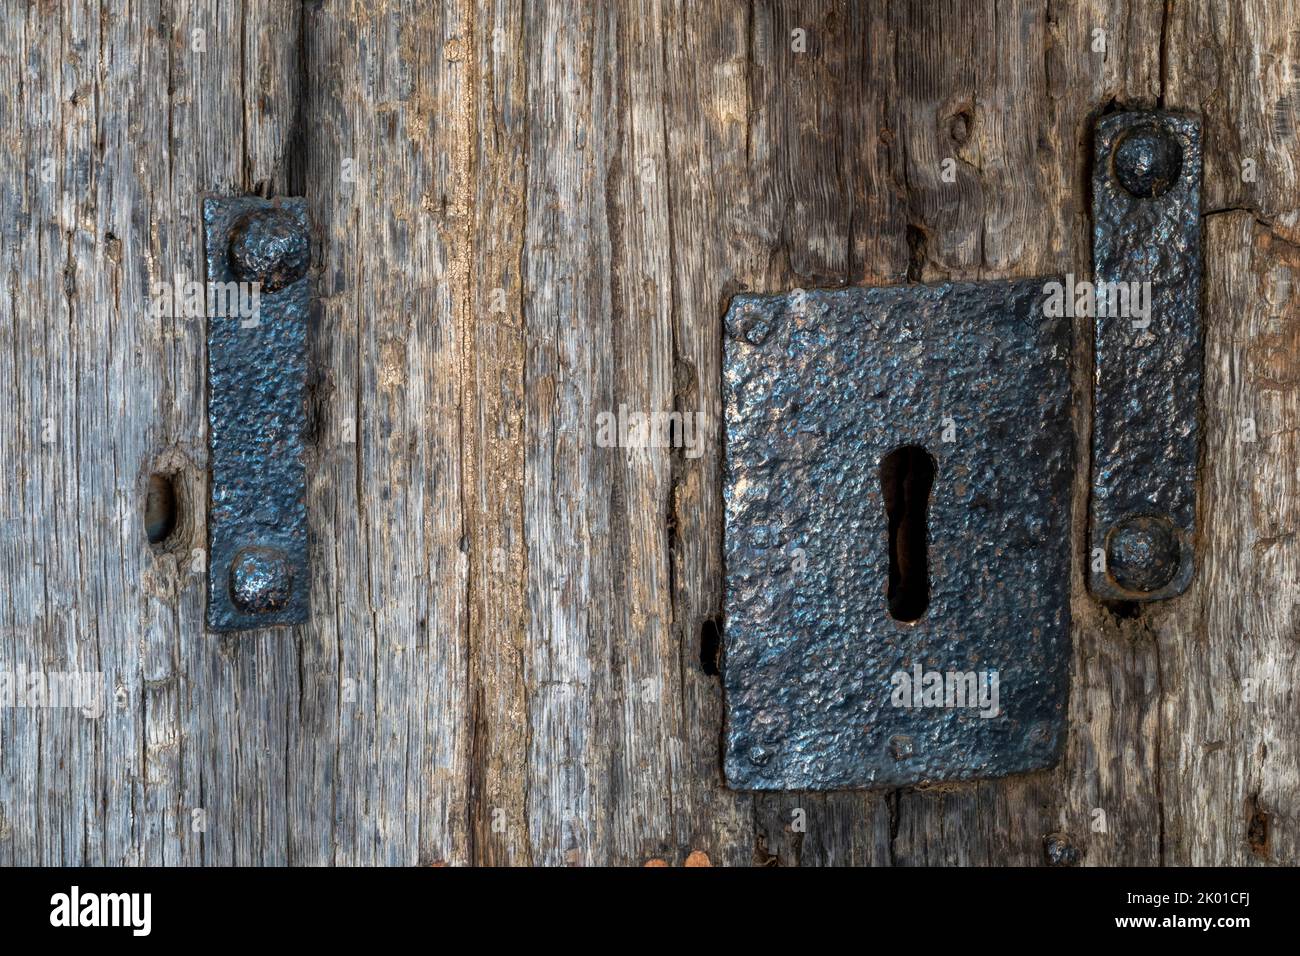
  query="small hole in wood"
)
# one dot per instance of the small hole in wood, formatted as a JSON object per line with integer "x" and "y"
{"x": 917, "y": 245}
{"x": 1257, "y": 830}
{"x": 1124, "y": 610}
{"x": 161, "y": 509}
{"x": 959, "y": 126}
{"x": 906, "y": 477}
{"x": 710, "y": 645}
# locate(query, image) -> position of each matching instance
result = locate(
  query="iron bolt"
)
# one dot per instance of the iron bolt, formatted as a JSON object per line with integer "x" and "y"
{"x": 1142, "y": 553}
{"x": 260, "y": 580}
{"x": 1060, "y": 850}
{"x": 1147, "y": 161}
{"x": 269, "y": 247}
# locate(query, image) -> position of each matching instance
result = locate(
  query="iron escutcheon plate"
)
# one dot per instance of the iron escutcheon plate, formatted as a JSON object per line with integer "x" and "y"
{"x": 1146, "y": 208}
{"x": 258, "y": 573}
{"x": 819, "y": 388}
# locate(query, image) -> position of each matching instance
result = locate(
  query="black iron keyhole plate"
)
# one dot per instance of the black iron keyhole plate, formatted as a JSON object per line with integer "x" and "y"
{"x": 824, "y": 688}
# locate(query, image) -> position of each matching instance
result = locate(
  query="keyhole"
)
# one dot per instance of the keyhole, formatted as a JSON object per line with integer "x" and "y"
{"x": 906, "y": 477}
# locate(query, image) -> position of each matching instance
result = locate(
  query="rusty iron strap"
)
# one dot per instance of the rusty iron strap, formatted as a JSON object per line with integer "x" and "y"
{"x": 1146, "y": 208}
{"x": 258, "y": 251}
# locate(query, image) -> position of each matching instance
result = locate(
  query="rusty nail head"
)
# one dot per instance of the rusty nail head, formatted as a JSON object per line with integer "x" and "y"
{"x": 260, "y": 580}
{"x": 1142, "y": 553}
{"x": 267, "y": 246}
{"x": 1148, "y": 161}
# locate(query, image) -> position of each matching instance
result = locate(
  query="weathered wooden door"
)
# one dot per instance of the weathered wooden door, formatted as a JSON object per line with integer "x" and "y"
{"x": 527, "y": 214}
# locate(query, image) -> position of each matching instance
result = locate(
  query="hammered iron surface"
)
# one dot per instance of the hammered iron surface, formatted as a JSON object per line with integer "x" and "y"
{"x": 819, "y": 387}
{"x": 257, "y": 513}
{"x": 1146, "y": 433}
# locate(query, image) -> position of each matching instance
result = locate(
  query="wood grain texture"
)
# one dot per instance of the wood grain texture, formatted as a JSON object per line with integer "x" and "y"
{"x": 527, "y": 214}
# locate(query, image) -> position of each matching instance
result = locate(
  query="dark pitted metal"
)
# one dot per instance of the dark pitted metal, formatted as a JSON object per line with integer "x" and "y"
{"x": 1145, "y": 441}
{"x": 260, "y": 580}
{"x": 1142, "y": 553}
{"x": 1147, "y": 160}
{"x": 269, "y": 246}
{"x": 819, "y": 387}
{"x": 257, "y": 516}
{"x": 1060, "y": 850}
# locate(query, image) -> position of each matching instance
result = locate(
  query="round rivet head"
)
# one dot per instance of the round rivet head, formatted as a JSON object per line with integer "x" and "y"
{"x": 269, "y": 247}
{"x": 1060, "y": 850}
{"x": 260, "y": 580}
{"x": 1148, "y": 160}
{"x": 1142, "y": 553}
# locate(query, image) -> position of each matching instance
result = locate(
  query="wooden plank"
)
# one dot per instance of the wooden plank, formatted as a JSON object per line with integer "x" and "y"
{"x": 1229, "y": 763}
{"x": 1227, "y": 651}
{"x": 380, "y": 739}
{"x": 566, "y": 371}
{"x": 719, "y": 232}
{"x": 229, "y": 695}
{"x": 493, "y": 394}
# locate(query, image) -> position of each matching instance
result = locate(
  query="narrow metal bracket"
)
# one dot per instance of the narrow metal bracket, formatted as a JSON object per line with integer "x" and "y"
{"x": 258, "y": 252}
{"x": 1146, "y": 207}
{"x": 826, "y": 687}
